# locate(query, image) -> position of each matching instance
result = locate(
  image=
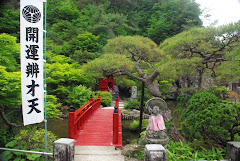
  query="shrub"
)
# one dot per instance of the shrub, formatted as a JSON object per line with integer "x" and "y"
{"x": 52, "y": 107}
{"x": 134, "y": 126}
{"x": 32, "y": 139}
{"x": 79, "y": 96}
{"x": 182, "y": 101}
{"x": 183, "y": 151}
{"x": 221, "y": 92}
{"x": 199, "y": 101}
{"x": 140, "y": 154}
{"x": 106, "y": 98}
{"x": 132, "y": 105}
{"x": 208, "y": 120}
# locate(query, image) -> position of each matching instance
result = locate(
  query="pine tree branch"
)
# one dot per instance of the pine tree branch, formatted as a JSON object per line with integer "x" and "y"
{"x": 3, "y": 115}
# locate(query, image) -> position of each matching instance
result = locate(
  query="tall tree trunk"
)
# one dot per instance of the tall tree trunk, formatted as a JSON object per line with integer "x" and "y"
{"x": 200, "y": 77}
{"x": 153, "y": 88}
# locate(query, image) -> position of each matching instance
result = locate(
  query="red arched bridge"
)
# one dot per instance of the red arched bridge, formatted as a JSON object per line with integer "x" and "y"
{"x": 91, "y": 125}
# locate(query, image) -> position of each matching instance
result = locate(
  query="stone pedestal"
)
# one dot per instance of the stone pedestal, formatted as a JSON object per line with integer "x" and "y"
{"x": 63, "y": 149}
{"x": 233, "y": 151}
{"x": 154, "y": 152}
{"x": 157, "y": 137}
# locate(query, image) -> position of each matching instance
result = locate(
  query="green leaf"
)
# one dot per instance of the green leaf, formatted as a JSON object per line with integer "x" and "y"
{"x": 17, "y": 159}
{"x": 6, "y": 153}
{"x": 18, "y": 153}
{"x": 11, "y": 144}
{"x": 33, "y": 156}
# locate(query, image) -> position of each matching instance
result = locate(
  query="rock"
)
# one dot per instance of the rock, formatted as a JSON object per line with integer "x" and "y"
{"x": 131, "y": 113}
{"x": 233, "y": 151}
{"x": 136, "y": 113}
{"x": 131, "y": 149}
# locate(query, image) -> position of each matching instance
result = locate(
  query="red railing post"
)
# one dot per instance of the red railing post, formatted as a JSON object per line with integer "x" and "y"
{"x": 71, "y": 128}
{"x": 117, "y": 101}
{"x": 115, "y": 125}
{"x": 91, "y": 98}
{"x": 99, "y": 103}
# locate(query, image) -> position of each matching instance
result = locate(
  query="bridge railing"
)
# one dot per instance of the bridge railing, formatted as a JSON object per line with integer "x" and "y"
{"x": 77, "y": 119}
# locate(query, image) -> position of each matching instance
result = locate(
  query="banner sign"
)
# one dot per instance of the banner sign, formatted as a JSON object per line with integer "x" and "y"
{"x": 31, "y": 39}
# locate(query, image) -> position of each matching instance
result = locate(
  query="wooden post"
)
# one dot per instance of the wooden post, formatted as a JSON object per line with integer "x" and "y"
{"x": 91, "y": 98}
{"x": 71, "y": 125}
{"x": 117, "y": 102}
{"x": 141, "y": 110}
{"x": 63, "y": 149}
{"x": 115, "y": 125}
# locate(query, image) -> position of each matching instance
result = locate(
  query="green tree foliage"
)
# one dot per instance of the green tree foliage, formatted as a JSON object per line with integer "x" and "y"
{"x": 88, "y": 42}
{"x": 206, "y": 119}
{"x": 108, "y": 25}
{"x": 172, "y": 17}
{"x": 87, "y": 48}
{"x": 144, "y": 10}
{"x": 82, "y": 57}
{"x": 63, "y": 32}
{"x": 62, "y": 77}
{"x": 78, "y": 96}
{"x": 32, "y": 139}
{"x": 53, "y": 107}
{"x": 10, "y": 98}
{"x": 106, "y": 98}
{"x": 132, "y": 105}
{"x": 9, "y": 52}
{"x": 10, "y": 87}
{"x": 135, "y": 56}
{"x": 124, "y": 83}
{"x": 229, "y": 70}
{"x": 9, "y": 18}
{"x": 107, "y": 63}
{"x": 66, "y": 10}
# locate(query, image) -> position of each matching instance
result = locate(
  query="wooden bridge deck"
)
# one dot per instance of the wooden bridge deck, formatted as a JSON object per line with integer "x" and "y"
{"x": 98, "y": 131}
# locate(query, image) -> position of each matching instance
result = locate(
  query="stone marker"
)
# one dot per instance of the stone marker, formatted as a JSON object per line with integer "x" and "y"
{"x": 154, "y": 152}
{"x": 63, "y": 149}
{"x": 233, "y": 151}
{"x": 134, "y": 93}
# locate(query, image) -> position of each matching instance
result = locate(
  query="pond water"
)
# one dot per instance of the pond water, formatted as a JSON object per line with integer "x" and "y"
{"x": 127, "y": 134}
{"x": 58, "y": 126}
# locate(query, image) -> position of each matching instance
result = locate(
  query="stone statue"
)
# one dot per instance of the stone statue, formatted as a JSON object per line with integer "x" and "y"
{"x": 156, "y": 130}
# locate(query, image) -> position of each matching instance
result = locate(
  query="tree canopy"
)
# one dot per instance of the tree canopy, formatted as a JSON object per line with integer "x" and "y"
{"x": 213, "y": 47}
{"x": 172, "y": 17}
{"x": 134, "y": 56}
{"x": 9, "y": 52}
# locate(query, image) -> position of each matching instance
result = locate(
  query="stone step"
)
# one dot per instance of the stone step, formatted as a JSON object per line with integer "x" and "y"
{"x": 98, "y": 158}
{"x": 88, "y": 150}
{"x": 97, "y": 153}
{"x": 121, "y": 105}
